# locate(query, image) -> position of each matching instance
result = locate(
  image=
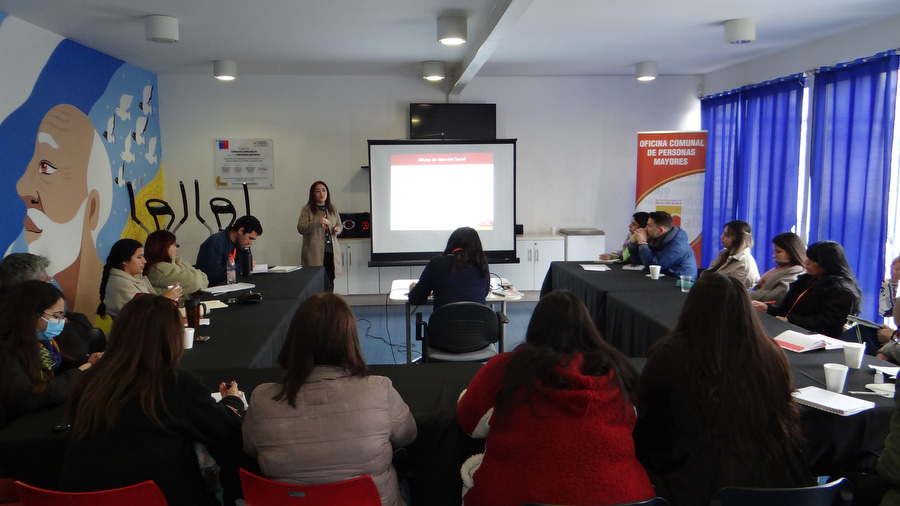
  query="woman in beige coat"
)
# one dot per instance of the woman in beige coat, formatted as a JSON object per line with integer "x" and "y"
{"x": 320, "y": 224}
{"x": 735, "y": 260}
{"x": 328, "y": 420}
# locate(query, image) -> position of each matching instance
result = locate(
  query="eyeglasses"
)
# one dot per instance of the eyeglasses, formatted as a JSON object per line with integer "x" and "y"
{"x": 59, "y": 315}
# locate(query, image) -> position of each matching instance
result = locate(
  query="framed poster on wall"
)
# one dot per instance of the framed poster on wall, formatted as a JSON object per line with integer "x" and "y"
{"x": 248, "y": 161}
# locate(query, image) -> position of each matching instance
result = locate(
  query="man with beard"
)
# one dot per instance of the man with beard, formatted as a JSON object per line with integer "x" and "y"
{"x": 67, "y": 191}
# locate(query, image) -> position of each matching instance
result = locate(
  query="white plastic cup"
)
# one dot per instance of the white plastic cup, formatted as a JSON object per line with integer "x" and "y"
{"x": 686, "y": 283}
{"x": 835, "y": 377}
{"x": 553, "y": 230}
{"x": 188, "y": 338}
{"x": 853, "y": 354}
{"x": 654, "y": 272}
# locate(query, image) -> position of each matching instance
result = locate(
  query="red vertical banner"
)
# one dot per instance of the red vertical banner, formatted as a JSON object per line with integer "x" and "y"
{"x": 671, "y": 167}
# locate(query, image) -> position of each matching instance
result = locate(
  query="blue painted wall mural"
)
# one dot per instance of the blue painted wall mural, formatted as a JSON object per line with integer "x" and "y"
{"x": 75, "y": 126}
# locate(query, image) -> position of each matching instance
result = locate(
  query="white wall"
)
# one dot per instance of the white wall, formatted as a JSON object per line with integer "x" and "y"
{"x": 828, "y": 51}
{"x": 576, "y": 151}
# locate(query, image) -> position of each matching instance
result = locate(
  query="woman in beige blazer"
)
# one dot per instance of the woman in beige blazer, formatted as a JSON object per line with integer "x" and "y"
{"x": 320, "y": 224}
{"x": 735, "y": 260}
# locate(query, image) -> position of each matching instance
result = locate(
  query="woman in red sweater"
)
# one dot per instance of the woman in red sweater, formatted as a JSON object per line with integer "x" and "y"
{"x": 559, "y": 414}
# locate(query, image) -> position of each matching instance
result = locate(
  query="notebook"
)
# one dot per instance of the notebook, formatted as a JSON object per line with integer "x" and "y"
{"x": 797, "y": 342}
{"x": 831, "y": 402}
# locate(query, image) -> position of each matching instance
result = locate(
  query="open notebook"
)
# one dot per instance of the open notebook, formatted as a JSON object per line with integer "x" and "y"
{"x": 832, "y": 402}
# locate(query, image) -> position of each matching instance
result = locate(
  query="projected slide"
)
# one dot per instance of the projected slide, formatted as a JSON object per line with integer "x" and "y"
{"x": 462, "y": 178}
{"x": 423, "y": 190}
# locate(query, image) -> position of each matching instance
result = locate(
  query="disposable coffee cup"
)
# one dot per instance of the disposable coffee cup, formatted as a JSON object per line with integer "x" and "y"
{"x": 686, "y": 283}
{"x": 553, "y": 230}
{"x": 853, "y": 354}
{"x": 188, "y": 338}
{"x": 654, "y": 272}
{"x": 835, "y": 377}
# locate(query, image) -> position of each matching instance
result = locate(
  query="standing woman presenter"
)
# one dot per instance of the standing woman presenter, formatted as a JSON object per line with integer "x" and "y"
{"x": 319, "y": 224}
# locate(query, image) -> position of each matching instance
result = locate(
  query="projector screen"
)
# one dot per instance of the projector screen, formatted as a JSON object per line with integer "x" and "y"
{"x": 421, "y": 191}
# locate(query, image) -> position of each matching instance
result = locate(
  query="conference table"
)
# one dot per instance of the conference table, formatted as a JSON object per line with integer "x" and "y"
{"x": 432, "y": 462}
{"x": 634, "y": 311}
{"x": 251, "y": 335}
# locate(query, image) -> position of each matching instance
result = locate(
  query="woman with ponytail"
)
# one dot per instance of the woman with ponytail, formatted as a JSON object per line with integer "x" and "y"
{"x": 460, "y": 274}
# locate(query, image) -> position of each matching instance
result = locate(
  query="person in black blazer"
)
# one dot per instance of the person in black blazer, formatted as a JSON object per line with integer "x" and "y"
{"x": 821, "y": 299}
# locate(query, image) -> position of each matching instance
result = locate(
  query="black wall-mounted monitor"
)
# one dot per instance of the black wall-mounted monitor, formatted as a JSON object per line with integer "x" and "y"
{"x": 453, "y": 121}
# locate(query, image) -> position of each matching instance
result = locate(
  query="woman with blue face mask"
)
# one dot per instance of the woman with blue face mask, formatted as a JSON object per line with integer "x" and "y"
{"x": 31, "y": 316}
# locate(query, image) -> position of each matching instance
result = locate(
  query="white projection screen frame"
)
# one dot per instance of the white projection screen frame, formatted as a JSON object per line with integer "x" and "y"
{"x": 420, "y": 191}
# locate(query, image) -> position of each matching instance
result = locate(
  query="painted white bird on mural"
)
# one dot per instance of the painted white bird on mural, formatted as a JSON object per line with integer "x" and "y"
{"x": 124, "y": 104}
{"x": 120, "y": 179}
{"x": 127, "y": 155}
{"x": 150, "y": 155}
{"x": 140, "y": 126}
{"x": 144, "y": 105}
{"x": 110, "y": 128}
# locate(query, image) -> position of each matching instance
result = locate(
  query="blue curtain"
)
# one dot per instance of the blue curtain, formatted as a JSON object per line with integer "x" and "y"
{"x": 753, "y": 158}
{"x": 720, "y": 117}
{"x": 853, "y": 121}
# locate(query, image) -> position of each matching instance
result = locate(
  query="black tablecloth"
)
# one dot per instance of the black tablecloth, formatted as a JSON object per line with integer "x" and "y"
{"x": 251, "y": 335}
{"x": 633, "y": 312}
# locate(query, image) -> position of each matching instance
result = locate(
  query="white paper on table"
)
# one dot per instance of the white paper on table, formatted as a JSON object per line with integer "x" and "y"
{"x": 594, "y": 267}
{"x": 260, "y": 268}
{"x": 214, "y": 304}
{"x": 890, "y": 371}
{"x": 632, "y": 267}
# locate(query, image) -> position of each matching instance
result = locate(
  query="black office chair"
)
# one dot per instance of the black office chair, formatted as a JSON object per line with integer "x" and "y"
{"x": 460, "y": 332}
{"x": 656, "y": 501}
{"x": 835, "y": 493}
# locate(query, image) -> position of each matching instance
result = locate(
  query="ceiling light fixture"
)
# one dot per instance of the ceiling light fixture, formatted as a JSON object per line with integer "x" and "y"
{"x": 740, "y": 31}
{"x": 451, "y": 30}
{"x": 158, "y": 28}
{"x": 645, "y": 71}
{"x": 225, "y": 70}
{"x": 433, "y": 70}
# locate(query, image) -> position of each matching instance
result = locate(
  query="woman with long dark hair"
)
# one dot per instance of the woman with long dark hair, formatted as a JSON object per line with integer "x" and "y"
{"x": 165, "y": 268}
{"x": 714, "y": 400}
{"x": 460, "y": 274}
{"x": 123, "y": 277}
{"x": 136, "y": 416}
{"x": 821, "y": 299}
{"x": 319, "y": 224}
{"x": 790, "y": 257}
{"x": 558, "y": 416}
{"x": 32, "y": 376}
{"x": 735, "y": 259}
{"x": 328, "y": 420}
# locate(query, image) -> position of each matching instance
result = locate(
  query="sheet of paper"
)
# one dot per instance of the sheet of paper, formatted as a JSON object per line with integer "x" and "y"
{"x": 594, "y": 267}
{"x": 890, "y": 371}
{"x": 214, "y": 304}
{"x": 631, "y": 267}
{"x": 260, "y": 268}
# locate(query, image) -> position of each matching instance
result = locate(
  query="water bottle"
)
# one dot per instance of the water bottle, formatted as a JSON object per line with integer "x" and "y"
{"x": 230, "y": 271}
{"x": 246, "y": 261}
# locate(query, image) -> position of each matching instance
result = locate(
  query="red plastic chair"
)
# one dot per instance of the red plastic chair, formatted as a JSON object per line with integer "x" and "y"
{"x": 259, "y": 491}
{"x": 142, "y": 494}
